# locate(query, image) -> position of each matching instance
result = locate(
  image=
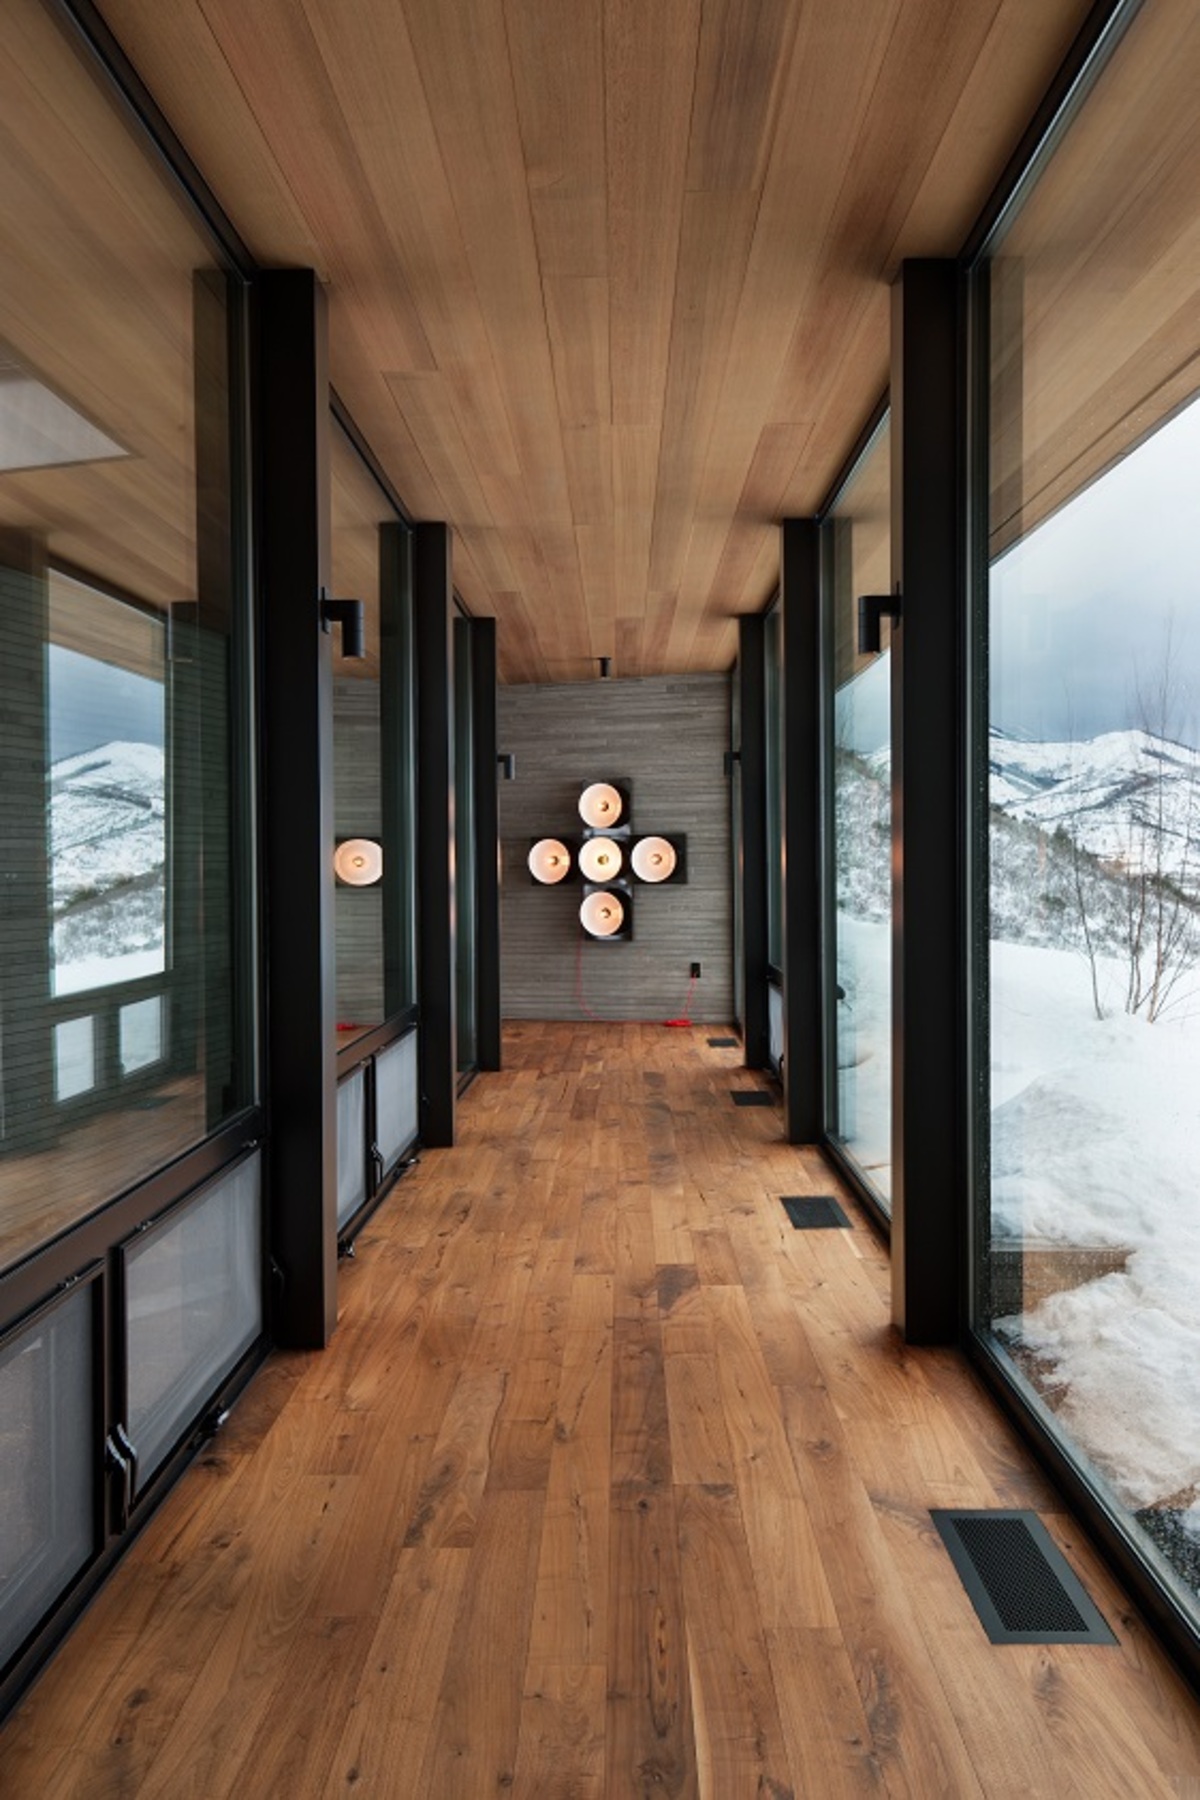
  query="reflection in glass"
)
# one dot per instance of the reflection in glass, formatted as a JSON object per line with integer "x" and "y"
{"x": 74, "y": 1057}
{"x": 773, "y": 726}
{"x": 126, "y": 977}
{"x": 107, "y": 710}
{"x": 140, "y": 1034}
{"x": 359, "y": 508}
{"x": 465, "y": 887}
{"x": 1091, "y": 1285}
{"x": 860, "y": 537}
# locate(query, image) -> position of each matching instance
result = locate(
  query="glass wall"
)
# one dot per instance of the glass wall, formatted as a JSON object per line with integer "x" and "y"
{"x": 358, "y": 509}
{"x": 773, "y": 725}
{"x": 126, "y": 981}
{"x": 1089, "y": 1272}
{"x": 465, "y": 891}
{"x": 129, "y": 1297}
{"x": 857, "y": 560}
{"x": 374, "y": 822}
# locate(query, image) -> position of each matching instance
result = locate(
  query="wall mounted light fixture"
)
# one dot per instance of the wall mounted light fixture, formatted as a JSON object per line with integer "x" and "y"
{"x": 351, "y": 616}
{"x": 602, "y": 805}
{"x": 358, "y": 862}
{"x": 600, "y": 859}
{"x": 872, "y": 610}
{"x": 608, "y": 848}
{"x": 654, "y": 859}
{"x": 549, "y": 861}
{"x": 604, "y": 914}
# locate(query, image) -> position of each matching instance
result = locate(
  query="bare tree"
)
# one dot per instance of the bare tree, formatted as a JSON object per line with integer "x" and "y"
{"x": 1162, "y": 919}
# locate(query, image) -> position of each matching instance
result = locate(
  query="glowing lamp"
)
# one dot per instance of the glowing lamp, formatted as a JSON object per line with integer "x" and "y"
{"x": 358, "y": 862}
{"x": 602, "y": 915}
{"x": 549, "y": 861}
{"x": 600, "y": 859}
{"x": 600, "y": 806}
{"x": 654, "y": 859}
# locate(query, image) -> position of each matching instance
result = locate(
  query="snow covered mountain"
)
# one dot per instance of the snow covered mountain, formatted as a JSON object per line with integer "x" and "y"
{"x": 1130, "y": 798}
{"x": 106, "y": 819}
{"x": 107, "y": 859}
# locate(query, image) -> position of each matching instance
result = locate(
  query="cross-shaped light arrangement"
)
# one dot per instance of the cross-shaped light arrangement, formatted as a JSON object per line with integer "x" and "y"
{"x": 607, "y": 848}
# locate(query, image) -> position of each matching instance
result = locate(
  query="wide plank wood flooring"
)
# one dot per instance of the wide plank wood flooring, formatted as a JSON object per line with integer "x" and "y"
{"x": 611, "y": 1485}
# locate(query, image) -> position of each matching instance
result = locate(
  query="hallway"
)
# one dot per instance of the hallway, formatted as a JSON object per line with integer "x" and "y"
{"x": 611, "y": 1484}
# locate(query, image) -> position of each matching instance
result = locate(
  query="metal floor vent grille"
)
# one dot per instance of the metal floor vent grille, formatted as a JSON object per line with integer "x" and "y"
{"x": 750, "y": 1097}
{"x": 722, "y": 1043}
{"x": 1018, "y": 1580}
{"x": 815, "y": 1212}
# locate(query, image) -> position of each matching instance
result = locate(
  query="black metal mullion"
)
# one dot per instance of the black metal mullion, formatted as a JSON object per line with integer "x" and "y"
{"x": 487, "y": 835}
{"x": 750, "y": 771}
{"x": 803, "y": 1039}
{"x": 929, "y": 1177}
{"x": 433, "y": 609}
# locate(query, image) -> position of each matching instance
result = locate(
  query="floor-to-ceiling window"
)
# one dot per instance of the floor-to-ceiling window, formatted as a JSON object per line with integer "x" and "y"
{"x": 130, "y": 1227}
{"x": 374, "y": 822}
{"x": 466, "y": 903}
{"x": 773, "y": 770}
{"x": 1088, "y": 1272}
{"x": 856, "y": 559}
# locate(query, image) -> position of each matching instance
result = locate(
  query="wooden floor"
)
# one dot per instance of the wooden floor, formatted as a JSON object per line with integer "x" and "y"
{"x": 611, "y": 1484}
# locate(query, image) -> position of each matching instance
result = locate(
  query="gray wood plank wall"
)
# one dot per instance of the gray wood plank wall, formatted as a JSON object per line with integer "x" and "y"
{"x": 668, "y": 736}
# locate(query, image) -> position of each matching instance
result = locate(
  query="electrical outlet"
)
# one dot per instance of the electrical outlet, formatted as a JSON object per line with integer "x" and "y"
{"x": 695, "y": 971}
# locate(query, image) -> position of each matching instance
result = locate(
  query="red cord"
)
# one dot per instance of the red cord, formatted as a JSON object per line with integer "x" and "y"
{"x": 687, "y": 1006}
{"x": 585, "y": 1008}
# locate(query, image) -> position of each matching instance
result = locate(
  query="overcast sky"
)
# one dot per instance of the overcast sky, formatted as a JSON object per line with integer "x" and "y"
{"x": 1083, "y": 608}
{"x": 93, "y": 703}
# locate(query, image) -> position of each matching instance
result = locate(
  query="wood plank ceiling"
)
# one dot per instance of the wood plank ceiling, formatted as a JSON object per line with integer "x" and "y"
{"x": 608, "y": 279}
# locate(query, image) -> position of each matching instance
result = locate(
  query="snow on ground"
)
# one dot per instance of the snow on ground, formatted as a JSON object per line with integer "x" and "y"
{"x": 864, "y": 1036}
{"x": 106, "y": 971}
{"x": 1095, "y": 1140}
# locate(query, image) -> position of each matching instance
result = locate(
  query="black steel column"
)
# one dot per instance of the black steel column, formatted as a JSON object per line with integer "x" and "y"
{"x": 433, "y": 627}
{"x": 487, "y": 841}
{"x": 750, "y": 851}
{"x": 803, "y": 1035}
{"x": 929, "y": 1185}
{"x": 297, "y": 749}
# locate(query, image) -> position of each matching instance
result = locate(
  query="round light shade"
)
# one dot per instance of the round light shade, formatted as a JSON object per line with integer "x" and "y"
{"x": 653, "y": 859}
{"x": 358, "y": 862}
{"x": 600, "y": 805}
{"x": 602, "y": 915}
{"x": 549, "y": 861}
{"x": 599, "y": 859}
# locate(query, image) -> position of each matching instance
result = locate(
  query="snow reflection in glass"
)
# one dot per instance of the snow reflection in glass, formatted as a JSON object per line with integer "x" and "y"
{"x": 1095, "y": 979}
{"x": 861, "y": 557}
{"x": 106, "y": 667}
